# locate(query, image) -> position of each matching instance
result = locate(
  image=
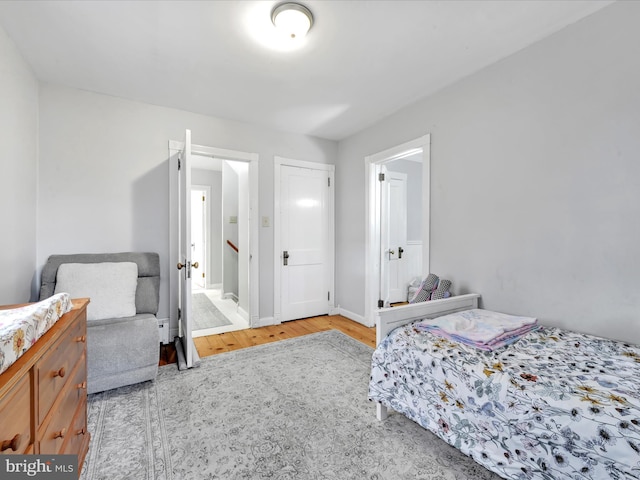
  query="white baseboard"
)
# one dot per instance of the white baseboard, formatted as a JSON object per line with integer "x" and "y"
{"x": 264, "y": 322}
{"x": 243, "y": 313}
{"x": 230, "y": 295}
{"x": 353, "y": 316}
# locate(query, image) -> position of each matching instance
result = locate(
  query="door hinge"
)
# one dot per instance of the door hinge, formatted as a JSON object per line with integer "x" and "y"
{"x": 179, "y": 164}
{"x": 380, "y": 303}
{"x": 179, "y": 313}
{"x": 202, "y": 274}
{"x": 328, "y": 296}
{"x": 328, "y": 181}
{"x": 202, "y": 198}
{"x": 381, "y": 177}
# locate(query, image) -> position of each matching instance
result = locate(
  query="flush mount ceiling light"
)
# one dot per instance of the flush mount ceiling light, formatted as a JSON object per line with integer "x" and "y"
{"x": 292, "y": 19}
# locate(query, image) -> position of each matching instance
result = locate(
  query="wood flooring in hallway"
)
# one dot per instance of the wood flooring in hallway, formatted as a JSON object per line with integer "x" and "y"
{"x": 226, "y": 342}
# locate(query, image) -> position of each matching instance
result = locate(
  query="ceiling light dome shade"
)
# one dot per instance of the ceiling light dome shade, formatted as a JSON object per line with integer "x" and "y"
{"x": 293, "y": 19}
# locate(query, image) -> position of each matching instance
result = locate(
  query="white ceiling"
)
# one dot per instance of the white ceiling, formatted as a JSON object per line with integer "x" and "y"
{"x": 361, "y": 61}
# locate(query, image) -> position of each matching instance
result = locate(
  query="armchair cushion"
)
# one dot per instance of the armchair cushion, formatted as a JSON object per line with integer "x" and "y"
{"x": 110, "y": 285}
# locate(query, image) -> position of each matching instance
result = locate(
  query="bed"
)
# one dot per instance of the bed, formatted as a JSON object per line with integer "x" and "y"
{"x": 555, "y": 404}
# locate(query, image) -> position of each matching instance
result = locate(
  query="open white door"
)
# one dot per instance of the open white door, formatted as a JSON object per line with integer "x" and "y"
{"x": 186, "y": 347}
{"x": 396, "y": 186}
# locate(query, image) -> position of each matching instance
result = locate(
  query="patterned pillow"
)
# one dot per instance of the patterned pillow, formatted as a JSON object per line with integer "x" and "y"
{"x": 428, "y": 285}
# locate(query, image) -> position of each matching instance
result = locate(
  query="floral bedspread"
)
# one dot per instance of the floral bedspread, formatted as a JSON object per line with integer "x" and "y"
{"x": 554, "y": 405}
{"x": 21, "y": 327}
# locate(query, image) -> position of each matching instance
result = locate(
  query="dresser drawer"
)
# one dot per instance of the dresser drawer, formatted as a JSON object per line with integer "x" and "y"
{"x": 77, "y": 432}
{"x": 15, "y": 418}
{"x": 54, "y": 368}
{"x": 60, "y": 425}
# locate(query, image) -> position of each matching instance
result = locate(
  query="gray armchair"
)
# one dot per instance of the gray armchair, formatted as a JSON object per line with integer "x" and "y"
{"x": 120, "y": 351}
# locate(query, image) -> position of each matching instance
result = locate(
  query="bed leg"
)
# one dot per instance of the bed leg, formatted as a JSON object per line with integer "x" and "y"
{"x": 381, "y": 412}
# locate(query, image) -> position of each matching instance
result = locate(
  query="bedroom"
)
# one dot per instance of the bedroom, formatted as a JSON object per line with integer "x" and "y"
{"x": 539, "y": 215}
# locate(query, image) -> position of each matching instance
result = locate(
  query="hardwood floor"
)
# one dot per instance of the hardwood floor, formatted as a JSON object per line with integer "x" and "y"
{"x": 226, "y": 342}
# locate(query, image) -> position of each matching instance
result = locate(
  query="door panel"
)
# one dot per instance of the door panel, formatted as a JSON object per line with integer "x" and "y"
{"x": 305, "y": 216}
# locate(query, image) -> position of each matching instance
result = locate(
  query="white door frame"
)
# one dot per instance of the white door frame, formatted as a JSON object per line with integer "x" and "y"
{"x": 278, "y": 162}
{"x": 254, "y": 278}
{"x": 372, "y": 192}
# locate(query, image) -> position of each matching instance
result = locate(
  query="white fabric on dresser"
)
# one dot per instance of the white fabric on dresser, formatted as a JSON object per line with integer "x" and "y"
{"x": 111, "y": 286}
{"x": 21, "y": 327}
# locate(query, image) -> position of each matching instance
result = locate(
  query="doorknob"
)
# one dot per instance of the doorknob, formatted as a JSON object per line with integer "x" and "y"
{"x": 180, "y": 266}
{"x": 285, "y": 257}
{"x": 400, "y": 251}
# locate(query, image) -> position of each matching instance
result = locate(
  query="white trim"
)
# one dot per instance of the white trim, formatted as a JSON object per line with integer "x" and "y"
{"x": 354, "y": 316}
{"x": 265, "y": 322}
{"x": 222, "y": 153}
{"x": 372, "y": 193}
{"x": 278, "y": 162}
{"x": 254, "y": 278}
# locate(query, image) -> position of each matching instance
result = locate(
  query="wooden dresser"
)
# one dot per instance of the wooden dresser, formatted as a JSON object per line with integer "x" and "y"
{"x": 43, "y": 395}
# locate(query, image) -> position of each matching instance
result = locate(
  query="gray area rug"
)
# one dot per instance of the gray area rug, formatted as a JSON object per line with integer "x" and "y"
{"x": 293, "y": 409}
{"x": 205, "y": 313}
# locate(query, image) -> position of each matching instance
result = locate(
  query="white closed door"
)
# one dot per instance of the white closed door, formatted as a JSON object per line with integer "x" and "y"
{"x": 305, "y": 215}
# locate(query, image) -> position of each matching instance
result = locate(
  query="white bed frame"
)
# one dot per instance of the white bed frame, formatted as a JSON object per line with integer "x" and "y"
{"x": 389, "y": 318}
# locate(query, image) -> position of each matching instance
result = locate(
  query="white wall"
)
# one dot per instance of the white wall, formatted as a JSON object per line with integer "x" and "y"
{"x": 535, "y": 180}
{"x": 105, "y": 175}
{"x": 18, "y": 180}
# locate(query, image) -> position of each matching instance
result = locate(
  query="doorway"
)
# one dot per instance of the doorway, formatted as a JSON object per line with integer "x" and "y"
{"x": 249, "y": 299}
{"x": 219, "y": 219}
{"x": 397, "y": 237}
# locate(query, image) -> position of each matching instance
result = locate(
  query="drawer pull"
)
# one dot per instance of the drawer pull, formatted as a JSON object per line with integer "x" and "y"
{"x": 81, "y": 386}
{"x": 12, "y": 444}
{"x": 82, "y": 431}
{"x": 59, "y": 373}
{"x": 81, "y": 339}
{"x": 60, "y": 434}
